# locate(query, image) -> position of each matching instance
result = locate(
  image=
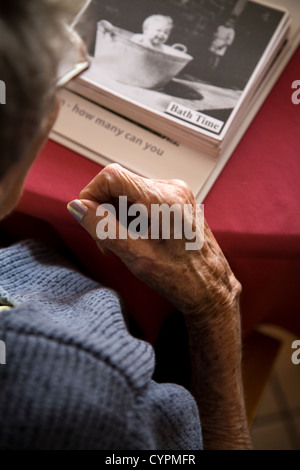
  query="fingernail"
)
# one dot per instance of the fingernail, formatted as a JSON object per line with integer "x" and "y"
{"x": 77, "y": 209}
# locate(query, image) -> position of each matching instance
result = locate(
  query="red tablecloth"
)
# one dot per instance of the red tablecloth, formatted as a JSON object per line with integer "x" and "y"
{"x": 253, "y": 210}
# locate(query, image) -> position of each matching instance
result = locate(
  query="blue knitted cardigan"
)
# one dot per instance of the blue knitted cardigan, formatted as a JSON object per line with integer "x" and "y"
{"x": 74, "y": 377}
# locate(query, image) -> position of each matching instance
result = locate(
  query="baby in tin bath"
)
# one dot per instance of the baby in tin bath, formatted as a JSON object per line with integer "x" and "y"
{"x": 156, "y": 32}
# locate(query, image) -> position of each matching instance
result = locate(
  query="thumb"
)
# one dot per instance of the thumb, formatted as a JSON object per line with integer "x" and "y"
{"x": 101, "y": 222}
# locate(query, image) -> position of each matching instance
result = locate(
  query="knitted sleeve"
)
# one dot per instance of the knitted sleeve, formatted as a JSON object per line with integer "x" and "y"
{"x": 59, "y": 394}
{"x": 74, "y": 377}
{"x": 168, "y": 417}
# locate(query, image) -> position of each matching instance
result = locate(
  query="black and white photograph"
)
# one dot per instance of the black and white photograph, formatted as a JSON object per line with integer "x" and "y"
{"x": 190, "y": 60}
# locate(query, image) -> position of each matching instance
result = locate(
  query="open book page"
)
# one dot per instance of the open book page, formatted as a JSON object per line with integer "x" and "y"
{"x": 293, "y": 7}
{"x": 105, "y": 137}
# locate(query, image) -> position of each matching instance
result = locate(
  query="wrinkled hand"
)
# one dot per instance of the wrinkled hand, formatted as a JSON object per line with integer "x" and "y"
{"x": 195, "y": 281}
{"x": 199, "y": 282}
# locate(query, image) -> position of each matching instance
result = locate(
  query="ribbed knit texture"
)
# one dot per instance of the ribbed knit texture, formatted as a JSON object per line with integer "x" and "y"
{"x": 74, "y": 377}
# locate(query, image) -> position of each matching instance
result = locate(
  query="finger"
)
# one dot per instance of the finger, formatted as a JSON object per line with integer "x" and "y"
{"x": 114, "y": 181}
{"x": 101, "y": 223}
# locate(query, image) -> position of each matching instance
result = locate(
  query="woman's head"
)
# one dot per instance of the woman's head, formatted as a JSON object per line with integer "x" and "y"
{"x": 33, "y": 41}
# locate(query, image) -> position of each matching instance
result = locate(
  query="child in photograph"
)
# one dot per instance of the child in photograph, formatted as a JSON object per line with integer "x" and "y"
{"x": 156, "y": 32}
{"x": 223, "y": 38}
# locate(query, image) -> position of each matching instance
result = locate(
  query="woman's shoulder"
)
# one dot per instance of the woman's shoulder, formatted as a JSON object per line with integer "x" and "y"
{"x": 52, "y": 300}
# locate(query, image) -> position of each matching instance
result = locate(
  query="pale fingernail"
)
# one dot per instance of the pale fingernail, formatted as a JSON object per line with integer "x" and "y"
{"x": 77, "y": 209}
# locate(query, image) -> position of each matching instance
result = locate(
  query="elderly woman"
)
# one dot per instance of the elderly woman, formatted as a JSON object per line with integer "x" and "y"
{"x": 74, "y": 377}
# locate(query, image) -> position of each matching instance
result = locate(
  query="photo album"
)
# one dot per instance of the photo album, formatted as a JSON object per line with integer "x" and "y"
{"x": 172, "y": 87}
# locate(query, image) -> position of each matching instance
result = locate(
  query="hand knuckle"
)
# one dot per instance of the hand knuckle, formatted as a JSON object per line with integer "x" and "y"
{"x": 183, "y": 191}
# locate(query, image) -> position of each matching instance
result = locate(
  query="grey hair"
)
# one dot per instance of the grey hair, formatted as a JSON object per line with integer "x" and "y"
{"x": 33, "y": 41}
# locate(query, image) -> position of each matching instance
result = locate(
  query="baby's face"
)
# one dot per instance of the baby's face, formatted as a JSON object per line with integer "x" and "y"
{"x": 157, "y": 32}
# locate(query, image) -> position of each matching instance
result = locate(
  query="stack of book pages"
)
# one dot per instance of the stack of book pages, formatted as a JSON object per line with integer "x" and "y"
{"x": 173, "y": 86}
